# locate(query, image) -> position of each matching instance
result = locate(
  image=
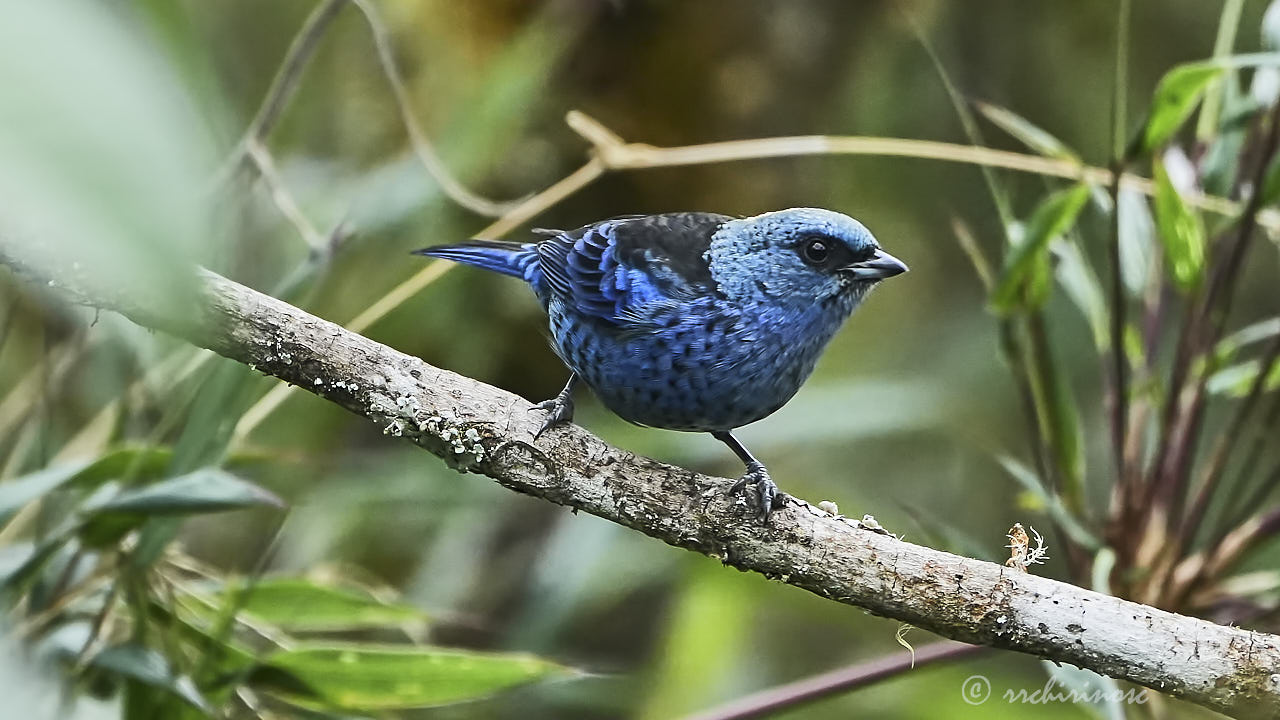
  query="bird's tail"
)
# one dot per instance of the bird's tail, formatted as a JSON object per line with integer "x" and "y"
{"x": 515, "y": 259}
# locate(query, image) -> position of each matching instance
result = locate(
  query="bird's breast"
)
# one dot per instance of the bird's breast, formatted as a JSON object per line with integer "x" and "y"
{"x": 699, "y": 365}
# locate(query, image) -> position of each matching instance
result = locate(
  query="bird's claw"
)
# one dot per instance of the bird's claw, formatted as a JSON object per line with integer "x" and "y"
{"x": 766, "y": 489}
{"x": 559, "y": 410}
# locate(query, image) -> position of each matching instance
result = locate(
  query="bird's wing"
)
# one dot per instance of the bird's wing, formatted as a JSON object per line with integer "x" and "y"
{"x": 616, "y": 269}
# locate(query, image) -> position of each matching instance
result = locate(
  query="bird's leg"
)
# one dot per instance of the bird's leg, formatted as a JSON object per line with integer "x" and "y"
{"x": 756, "y": 474}
{"x": 559, "y": 408}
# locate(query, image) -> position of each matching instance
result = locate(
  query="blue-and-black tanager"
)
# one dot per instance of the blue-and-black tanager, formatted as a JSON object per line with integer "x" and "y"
{"x": 693, "y": 321}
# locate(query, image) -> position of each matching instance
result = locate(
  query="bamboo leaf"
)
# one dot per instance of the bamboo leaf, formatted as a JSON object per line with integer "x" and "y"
{"x": 21, "y": 568}
{"x": 1182, "y": 88}
{"x": 203, "y": 491}
{"x": 1137, "y": 240}
{"x": 1083, "y": 287}
{"x": 15, "y": 494}
{"x": 1271, "y": 183}
{"x": 136, "y": 462}
{"x": 1177, "y": 95}
{"x": 1054, "y": 216}
{"x": 1026, "y": 132}
{"x": 1235, "y": 380}
{"x": 1053, "y": 504}
{"x": 1182, "y": 232}
{"x": 1246, "y": 336}
{"x": 201, "y": 629}
{"x": 370, "y": 678}
{"x": 1062, "y": 422}
{"x": 107, "y": 518}
{"x": 302, "y": 605}
{"x": 1270, "y": 29}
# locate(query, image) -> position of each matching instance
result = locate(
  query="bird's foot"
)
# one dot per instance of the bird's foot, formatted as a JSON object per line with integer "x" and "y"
{"x": 559, "y": 410}
{"x": 766, "y": 489}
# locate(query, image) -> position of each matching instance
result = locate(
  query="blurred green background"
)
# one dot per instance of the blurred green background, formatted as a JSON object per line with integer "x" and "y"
{"x": 903, "y": 418}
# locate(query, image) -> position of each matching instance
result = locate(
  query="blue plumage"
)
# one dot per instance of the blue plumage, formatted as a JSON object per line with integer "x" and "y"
{"x": 693, "y": 321}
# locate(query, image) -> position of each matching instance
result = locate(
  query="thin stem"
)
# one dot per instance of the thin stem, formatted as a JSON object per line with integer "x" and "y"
{"x": 521, "y": 214}
{"x": 1042, "y": 361}
{"x": 1013, "y": 352}
{"x": 1203, "y": 569}
{"x": 1226, "y": 440}
{"x": 1156, "y": 489}
{"x": 422, "y": 147}
{"x": 1228, "y": 22}
{"x": 1263, "y": 436}
{"x": 801, "y": 692}
{"x": 1033, "y": 365}
{"x": 1120, "y": 365}
{"x": 1119, "y": 361}
{"x": 1120, "y": 84}
{"x": 284, "y": 84}
{"x": 296, "y": 58}
{"x": 1212, "y": 318}
{"x": 968, "y": 122}
{"x": 1217, "y": 305}
{"x": 431, "y": 272}
{"x": 280, "y": 194}
{"x": 634, "y": 156}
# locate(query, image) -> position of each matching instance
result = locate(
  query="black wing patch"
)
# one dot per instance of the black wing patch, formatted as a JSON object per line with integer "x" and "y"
{"x": 611, "y": 269}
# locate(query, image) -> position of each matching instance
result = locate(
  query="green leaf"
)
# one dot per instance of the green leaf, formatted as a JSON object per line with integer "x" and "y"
{"x": 1083, "y": 287}
{"x": 203, "y": 491}
{"x": 1182, "y": 88}
{"x": 200, "y": 630}
{"x": 1246, "y": 336}
{"x": 1054, "y": 216}
{"x": 106, "y": 519}
{"x": 21, "y": 570}
{"x": 1053, "y": 504}
{"x": 1026, "y": 132}
{"x": 1271, "y": 183}
{"x": 1236, "y": 380}
{"x": 301, "y": 604}
{"x": 1181, "y": 232}
{"x": 15, "y": 494}
{"x": 1062, "y": 421}
{"x": 1104, "y": 561}
{"x": 1137, "y": 240}
{"x": 368, "y": 678}
{"x": 132, "y": 462}
{"x": 1177, "y": 95}
{"x": 1270, "y": 30}
{"x": 150, "y": 668}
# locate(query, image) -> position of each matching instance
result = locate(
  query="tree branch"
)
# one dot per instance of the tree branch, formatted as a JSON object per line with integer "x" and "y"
{"x": 478, "y": 428}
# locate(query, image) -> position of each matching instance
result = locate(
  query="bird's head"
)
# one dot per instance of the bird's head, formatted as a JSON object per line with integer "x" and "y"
{"x": 801, "y": 255}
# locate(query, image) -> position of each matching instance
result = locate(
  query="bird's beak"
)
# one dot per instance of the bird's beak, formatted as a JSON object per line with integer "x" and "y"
{"x": 878, "y": 267}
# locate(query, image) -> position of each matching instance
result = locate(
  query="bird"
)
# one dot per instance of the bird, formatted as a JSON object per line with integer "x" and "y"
{"x": 692, "y": 321}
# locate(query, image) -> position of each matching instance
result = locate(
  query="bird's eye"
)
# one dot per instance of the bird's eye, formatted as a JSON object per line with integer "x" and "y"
{"x": 815, "y": 252}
